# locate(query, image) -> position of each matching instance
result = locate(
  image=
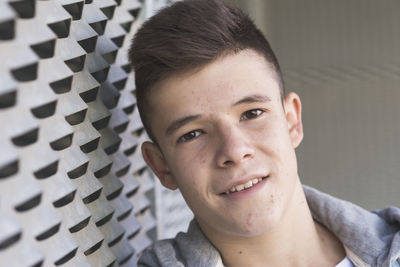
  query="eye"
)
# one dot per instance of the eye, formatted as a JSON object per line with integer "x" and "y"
{"x": 189, "y": 136}
{"x": 251, "y": 114}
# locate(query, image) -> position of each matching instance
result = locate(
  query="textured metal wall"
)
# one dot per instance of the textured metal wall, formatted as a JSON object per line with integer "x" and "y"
{"x": 73, "y": 185}
{"x": 173, "y": 215}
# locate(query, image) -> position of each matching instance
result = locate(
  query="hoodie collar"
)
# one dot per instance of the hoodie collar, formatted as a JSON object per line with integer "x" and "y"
{"x": 372, "y": 237}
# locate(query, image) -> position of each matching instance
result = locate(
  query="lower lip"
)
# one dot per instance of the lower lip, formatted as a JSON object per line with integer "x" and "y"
{"x": 247, "y": 192}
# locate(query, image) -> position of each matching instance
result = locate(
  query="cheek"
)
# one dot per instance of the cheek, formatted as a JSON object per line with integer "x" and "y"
{"x": 273, "y": 133}
{"x": 266, "y": 134}
{"x": 202, "y": 159}
{"x": 189, "y": 169}
{"x": 195, "y": 156}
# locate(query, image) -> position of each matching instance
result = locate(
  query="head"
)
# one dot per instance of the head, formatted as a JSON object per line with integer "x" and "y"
{"x": 210, "y": 93}
{"x": 187, "y": 36}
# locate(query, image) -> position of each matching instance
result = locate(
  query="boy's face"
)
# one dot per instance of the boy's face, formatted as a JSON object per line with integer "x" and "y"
{"x": 220, "y": 128}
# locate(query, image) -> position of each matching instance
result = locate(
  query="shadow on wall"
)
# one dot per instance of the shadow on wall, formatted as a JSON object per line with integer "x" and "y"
{"x": 73, "y": 184}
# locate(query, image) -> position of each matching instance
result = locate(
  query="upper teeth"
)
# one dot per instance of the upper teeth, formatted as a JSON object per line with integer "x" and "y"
{"x": 241, "y": 187}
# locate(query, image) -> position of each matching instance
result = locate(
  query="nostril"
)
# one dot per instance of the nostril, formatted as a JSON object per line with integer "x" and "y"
{"x": 228, "y": 162}
{"x": 247, "y": 156}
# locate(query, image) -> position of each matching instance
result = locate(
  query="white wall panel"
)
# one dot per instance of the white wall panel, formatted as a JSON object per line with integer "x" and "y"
{"x": 73, "y": 184}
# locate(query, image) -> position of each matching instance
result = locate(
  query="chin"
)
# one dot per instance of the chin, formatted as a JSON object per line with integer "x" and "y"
{"x": 252, "y": 227}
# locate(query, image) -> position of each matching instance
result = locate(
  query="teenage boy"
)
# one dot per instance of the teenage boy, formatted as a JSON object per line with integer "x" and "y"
{"x": 211, "y": 97}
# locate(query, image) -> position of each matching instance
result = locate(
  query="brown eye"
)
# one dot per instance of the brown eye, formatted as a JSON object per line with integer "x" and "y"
{"x": 189, "y": 136}
{"x": 251, "y": 114}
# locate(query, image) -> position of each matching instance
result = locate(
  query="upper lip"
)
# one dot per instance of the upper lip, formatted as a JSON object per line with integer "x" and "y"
{"x": 243, "y": 181}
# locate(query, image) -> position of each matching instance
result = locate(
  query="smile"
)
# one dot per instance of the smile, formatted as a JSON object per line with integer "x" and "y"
{"x": 247, "y": 185}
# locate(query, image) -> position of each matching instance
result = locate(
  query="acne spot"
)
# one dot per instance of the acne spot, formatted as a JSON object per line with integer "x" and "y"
{"x": 202, "y": 160}
{"x": 248, "y": 220}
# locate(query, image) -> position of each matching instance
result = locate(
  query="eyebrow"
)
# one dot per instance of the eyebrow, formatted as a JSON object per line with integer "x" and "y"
{"x": 256, "y": 98}
{"x": 175, "y": 125}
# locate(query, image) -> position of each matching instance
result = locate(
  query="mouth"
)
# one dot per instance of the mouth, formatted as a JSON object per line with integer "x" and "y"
{"x": 240, "y": 187}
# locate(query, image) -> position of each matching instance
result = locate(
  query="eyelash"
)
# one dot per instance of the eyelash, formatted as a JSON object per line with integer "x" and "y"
{"x": 189, "y": 136}
{"x": 259, "y": 113}
{"x": 186, "y": 137}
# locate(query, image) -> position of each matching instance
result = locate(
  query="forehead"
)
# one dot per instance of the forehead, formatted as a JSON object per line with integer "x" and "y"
{"x": 246, "y": 66}
{"x": 219, "y": 83}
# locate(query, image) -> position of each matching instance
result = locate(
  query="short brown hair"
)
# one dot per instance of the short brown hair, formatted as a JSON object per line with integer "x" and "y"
{"x": 189, "y": 35}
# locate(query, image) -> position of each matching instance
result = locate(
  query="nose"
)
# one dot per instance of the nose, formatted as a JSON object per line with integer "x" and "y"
{"x": 233, "y": 147}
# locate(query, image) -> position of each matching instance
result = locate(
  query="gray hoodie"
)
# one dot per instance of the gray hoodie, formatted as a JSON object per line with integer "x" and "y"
{"x": 369, "y": 238}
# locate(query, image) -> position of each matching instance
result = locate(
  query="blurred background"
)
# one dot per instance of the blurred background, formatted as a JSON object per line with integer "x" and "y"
{"x": 343, "y": 59}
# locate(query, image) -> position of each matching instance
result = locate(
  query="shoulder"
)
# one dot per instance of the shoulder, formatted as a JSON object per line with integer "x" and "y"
{"x": 162, "y": 253}
{"x": 186, "y": 249}
{"x": 372, "y": 236}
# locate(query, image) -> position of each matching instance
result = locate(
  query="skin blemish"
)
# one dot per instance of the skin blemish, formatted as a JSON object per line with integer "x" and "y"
{"x": 203, "y": 160}
{"x": 248, "y": 220}
{"x": 240, "y": 252}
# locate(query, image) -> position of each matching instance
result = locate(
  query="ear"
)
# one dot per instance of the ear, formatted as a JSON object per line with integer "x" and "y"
{"x": 155, "y": 159}
{"x": 292, "y": 106}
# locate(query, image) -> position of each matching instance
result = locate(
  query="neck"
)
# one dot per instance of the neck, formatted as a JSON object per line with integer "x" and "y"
{"x": 297, "y": 240}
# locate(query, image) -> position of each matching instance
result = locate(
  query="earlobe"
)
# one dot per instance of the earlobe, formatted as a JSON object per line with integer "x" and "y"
{"x": 156, "y": 161}
{"x": 292, "y": 105}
